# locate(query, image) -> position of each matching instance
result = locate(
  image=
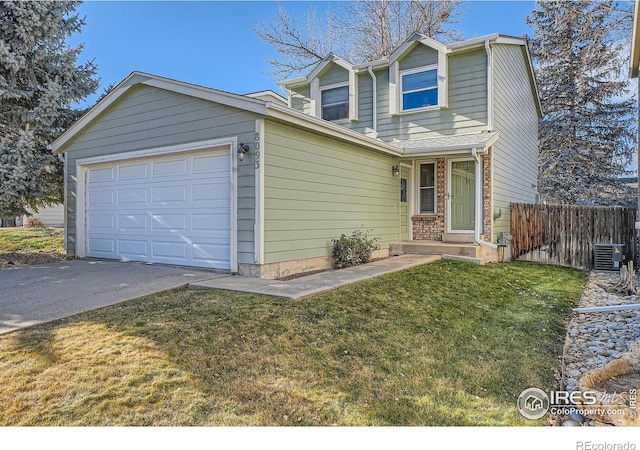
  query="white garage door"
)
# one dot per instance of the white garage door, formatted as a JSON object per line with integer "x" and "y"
{"x": 173, "y": 209}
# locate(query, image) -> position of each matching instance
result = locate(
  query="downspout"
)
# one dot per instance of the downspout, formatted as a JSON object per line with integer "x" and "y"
{"x": 487, "y": 48}
{"x": 478, "y": 203}
{"x": 375, "y": 102}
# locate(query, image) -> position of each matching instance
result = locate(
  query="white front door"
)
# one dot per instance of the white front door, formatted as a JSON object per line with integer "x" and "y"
{"x": 171, "y": 209}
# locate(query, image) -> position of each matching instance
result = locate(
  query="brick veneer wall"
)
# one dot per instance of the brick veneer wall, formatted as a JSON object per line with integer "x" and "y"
{"x": 432, "y": 227}
{"x": 488, "y": 198}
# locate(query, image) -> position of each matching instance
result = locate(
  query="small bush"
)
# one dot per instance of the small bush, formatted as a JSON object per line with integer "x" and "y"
{"x": 356, "y": 249}
{"x": 34, "y": 222}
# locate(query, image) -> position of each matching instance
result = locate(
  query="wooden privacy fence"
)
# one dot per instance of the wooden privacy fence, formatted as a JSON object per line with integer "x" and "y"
{"x": 565, "y": 234}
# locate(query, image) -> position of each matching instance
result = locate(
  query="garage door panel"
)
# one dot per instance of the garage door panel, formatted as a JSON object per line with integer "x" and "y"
{"x": 167, "y": 209}
{"x": 173, "y": 194}
{"x": 105, "y": 246}
{"x": 98, "y": 221}
{"x": 102, "y": 175}
{"x": 132, "y": 171}
{"x": 128, "y": 222}
{"x": 175, "y": 250}
{"x": 133, "y": 195}
{"x": 133, "y": 248}
{"x": 173, "y": 222}
{"x": 101, "y": 197}
{"x": 169, "y": 168}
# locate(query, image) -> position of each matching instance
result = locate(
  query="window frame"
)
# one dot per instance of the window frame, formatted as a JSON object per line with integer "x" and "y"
{"x": 347, "y": 102}
{"x": 420, "y": 188}
{"x": 401, "y": 75}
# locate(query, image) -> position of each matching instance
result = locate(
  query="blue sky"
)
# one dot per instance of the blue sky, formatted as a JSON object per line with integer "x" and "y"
{"x": 212, "y": 43}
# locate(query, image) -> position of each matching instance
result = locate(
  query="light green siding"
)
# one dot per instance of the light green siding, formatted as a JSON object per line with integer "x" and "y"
{"x": 515, "y": 154}
{"x": 420, "y": 56}
{"x": 467, "y": 94}
{"x": 317, "y": 188}
{"x": 334, "y": 74}
{"x": 147, "y": 118}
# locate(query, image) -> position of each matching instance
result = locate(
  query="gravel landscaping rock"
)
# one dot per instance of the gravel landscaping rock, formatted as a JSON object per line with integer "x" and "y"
{"x": 595, "y": 339}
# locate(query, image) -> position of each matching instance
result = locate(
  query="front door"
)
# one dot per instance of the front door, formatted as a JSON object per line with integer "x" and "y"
{"x": 462, "y": 196}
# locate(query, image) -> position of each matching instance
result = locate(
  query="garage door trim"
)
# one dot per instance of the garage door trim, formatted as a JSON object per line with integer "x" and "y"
{"x": 82, "y": 166}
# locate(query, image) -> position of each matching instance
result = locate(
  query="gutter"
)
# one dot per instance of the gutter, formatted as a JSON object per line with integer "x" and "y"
{"x": 375, "y": 101}
{"x": 478, "y": 203}
{"x": 487, "y": 48}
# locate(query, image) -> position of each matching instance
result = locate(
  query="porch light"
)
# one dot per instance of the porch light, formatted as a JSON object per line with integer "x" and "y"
{"x": 395, "y": 170}
{"x": 242, "y": 149}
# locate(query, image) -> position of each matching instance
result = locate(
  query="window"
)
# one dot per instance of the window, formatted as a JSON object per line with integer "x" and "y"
{"x": 420, "y": 89}
{"x": 335, "y": 103}
{"x": 427, "y": 188}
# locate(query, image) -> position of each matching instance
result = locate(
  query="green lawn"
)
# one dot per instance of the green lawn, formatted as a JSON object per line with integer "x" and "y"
{"x": 449, "y": 343}
{"x": 31, "y": 240}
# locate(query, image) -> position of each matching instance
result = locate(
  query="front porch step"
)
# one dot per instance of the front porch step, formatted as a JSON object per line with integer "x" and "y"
{"x": 462, "y": 251}
{"x": 458, "y": 238}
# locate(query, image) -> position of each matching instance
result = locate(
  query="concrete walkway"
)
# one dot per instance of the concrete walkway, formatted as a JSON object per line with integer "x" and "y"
{"x": 303, "y": 287}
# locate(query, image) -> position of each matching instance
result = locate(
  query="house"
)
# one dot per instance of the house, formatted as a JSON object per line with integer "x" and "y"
{"x": 428, "y": 145}
{"x": 50, "y": 216}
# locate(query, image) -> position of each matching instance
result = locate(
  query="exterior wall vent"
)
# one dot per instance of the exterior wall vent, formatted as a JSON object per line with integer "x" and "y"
{"x": 608, "y": 256}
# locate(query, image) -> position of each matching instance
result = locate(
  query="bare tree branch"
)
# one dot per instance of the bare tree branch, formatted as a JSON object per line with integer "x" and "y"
{"x": 359, "y": 31}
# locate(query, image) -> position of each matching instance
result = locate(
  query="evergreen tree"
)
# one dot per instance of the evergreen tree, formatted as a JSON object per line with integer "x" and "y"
{"x": 39, "y": 82}
{"x": 586, "y": 135}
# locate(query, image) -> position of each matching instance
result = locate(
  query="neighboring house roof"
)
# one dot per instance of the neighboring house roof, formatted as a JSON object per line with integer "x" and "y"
{"x": 634, "y": 61}
{"x": 268, "y": 96}
{"x": 269, "y": 109}
{"x": 442, "y": 144}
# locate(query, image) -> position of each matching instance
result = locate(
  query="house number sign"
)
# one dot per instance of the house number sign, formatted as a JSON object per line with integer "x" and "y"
{"x": 257, "y": 152}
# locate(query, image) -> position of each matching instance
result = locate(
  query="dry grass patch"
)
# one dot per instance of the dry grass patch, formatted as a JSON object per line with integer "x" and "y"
{"x": 448, "y": 343}
{"x": 20, "y": 246}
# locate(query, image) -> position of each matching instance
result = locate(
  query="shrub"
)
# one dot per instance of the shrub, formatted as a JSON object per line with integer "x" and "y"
{"x": 356, "y": 249}
{"x": 34, "y": 222}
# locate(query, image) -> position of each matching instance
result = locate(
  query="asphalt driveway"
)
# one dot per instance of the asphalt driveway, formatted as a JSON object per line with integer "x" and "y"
{"x": 34, "y": 294}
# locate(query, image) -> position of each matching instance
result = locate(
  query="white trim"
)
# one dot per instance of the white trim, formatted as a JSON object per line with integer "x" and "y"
{"x": 188, "y": 147}
{"x": 233, "y": 247}
{"x": 258, "y": 235}
{"x": 315, "y": 100}
{"x": 401, "y": 91}
{"x": 394, "y": 84}
{"x": 448, "y": 207}
{"x": 81, "y": 187}
{"x": 410, "y": 196}
{"x": 82, "y": 166}
{"x": 65, "y": 202}
{"x": 420, "y": 162}
{"x": 487, "y": 47}
{"x": 413, "y": 41}
{"x": 353, "y": 96}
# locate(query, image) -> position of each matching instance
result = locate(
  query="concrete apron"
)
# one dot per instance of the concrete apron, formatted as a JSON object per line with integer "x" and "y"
{"x": 307, "y": 286}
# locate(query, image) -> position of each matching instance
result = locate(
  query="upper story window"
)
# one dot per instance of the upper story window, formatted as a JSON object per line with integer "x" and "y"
{"x": 335, "y": 103}
{"x": 419, "y": 89}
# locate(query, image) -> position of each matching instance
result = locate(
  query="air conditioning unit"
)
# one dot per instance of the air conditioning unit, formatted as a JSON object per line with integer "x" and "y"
{"x": 608, "y": 256}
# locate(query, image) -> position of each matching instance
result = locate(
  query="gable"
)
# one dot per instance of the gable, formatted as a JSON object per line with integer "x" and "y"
{"x": 146, "y": 116}
{"x": 334, "y": 74}
{"x": 420, "y": 55}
